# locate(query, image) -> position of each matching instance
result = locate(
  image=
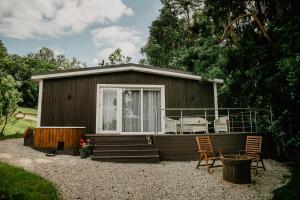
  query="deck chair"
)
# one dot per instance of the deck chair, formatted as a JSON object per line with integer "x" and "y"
{"x": 207, "y": 153}
{"x": 171, "y": 125}
{"x": 253, "y": 150}
{"x": 221, "y": 124}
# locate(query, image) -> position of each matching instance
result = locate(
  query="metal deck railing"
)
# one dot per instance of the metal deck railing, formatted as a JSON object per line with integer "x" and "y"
{"x": 240, "y": 120}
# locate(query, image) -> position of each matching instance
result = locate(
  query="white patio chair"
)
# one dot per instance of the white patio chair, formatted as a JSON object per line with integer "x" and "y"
{"x": 171, "y": 125}
{"x": 221, "y": 124}
{"x": 194, "y": 125}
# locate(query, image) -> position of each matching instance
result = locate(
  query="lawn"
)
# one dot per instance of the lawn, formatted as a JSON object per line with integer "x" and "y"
{"x": 18, "y": 128}
{"x": 31, "y": 111}
{"x": 16, "y": 183}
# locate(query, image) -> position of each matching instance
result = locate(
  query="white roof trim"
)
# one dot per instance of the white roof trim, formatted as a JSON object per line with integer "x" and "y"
{"x": 119, "y": 69}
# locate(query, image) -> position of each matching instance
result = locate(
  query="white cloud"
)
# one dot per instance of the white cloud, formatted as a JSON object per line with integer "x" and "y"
{"x": 40, "y": 18}
{"x": 106, "y": 40}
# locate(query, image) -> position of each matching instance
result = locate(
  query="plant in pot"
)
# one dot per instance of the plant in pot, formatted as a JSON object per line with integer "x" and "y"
{"x": 28, "y": 136}
{"x": 84, "y": 149}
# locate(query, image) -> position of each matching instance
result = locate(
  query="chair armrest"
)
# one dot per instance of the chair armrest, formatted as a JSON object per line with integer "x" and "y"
{"x": 202, "y": 151}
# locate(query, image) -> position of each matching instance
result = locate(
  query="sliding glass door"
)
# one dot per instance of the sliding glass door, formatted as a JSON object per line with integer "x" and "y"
{"x": 109, "y": 110}
{"x": 151, "y": 100}
{"x": 130, "y": 110}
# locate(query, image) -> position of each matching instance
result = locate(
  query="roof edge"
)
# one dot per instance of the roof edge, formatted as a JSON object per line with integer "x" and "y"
{"x": 130, "y": 67}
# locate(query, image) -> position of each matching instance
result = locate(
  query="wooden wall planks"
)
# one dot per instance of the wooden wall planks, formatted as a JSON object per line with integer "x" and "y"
{"x": 72, "y": 101}
{"x": 184, "y": 147}
{"x": 49, "y": 137}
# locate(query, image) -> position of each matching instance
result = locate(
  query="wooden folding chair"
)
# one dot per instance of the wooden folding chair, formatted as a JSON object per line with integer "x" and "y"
{"x": 207, "y": 153}
{"x": 253, "y": 150}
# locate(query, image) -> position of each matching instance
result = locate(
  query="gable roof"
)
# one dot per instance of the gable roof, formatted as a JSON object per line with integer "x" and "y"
{"x": 119, "y": 68}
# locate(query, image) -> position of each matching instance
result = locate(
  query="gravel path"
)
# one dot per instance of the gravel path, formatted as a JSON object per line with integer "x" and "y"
{"x": 85, "y": 179}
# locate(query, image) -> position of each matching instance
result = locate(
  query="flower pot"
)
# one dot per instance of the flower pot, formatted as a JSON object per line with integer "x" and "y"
{"x": 84, "y": 154}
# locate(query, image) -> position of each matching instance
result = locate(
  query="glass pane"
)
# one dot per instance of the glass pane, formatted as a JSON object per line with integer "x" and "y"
{"x": 151, "y": 101}
{"x": 109, "y": 110}
{"x": 131, "y": 110}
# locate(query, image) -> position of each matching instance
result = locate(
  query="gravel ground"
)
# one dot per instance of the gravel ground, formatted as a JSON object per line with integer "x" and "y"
{"x": 85, "y": 179}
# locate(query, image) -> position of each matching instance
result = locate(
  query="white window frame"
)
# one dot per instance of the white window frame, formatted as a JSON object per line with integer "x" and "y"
{"x": 119, "y": 113}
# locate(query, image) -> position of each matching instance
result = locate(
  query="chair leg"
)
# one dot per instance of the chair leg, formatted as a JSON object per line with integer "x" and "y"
{"x": 207, "y": 164}
{"x": 256, "y": 167}
{"x": 198, "y": 165}
{"x": 199, "y": 162}
{"x": 212, "y": 164}
{"x": 263, "y": 164}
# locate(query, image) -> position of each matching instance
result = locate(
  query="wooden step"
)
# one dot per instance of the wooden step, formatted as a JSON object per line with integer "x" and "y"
{"x": 117, "y": 137}
{"x": 124, "y": 147}
{"x": 128, "y": 159}
{"x": 119, "y": 142}
{"x": 138, "y": 152}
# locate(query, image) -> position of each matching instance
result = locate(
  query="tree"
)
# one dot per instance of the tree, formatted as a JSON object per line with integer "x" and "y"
{"x": 3, "y": 50}
{"x": 9, "y": 99}
{"x": 116, "y": 57}
{"x": 166, "y": 35}
{"x": 21, "y": 69}
{"x": 252, "y": 45}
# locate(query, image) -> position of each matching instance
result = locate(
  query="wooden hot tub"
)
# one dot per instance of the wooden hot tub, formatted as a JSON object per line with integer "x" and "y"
{"x": 59, "y": 138}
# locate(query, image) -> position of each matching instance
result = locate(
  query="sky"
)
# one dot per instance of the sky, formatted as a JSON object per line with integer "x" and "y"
{"x": 86, "y": 29}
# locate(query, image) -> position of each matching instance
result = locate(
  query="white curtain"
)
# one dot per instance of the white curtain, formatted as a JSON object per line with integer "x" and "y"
{"x": 131, "y": 110}
{"x": 151, "y": 101}
{"x": 109, "y": 110}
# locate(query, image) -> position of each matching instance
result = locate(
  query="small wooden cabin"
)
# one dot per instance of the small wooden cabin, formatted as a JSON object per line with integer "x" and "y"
{"x": 119, "y": 99}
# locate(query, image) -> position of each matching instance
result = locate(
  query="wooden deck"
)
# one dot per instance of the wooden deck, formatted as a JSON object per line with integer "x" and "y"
{"x": 180, "y": 147}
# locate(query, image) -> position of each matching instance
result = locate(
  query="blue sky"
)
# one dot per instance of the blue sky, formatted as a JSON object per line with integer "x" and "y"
{"x": 86, "y": 29}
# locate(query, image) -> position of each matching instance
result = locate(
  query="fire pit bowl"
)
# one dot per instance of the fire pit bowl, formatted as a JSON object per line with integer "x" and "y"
{"x": 237, "y": 168}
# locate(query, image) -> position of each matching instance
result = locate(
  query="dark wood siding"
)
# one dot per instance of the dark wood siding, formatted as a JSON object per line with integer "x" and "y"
{"x": 72, "y": 101}
{"x": 184, "y": 147}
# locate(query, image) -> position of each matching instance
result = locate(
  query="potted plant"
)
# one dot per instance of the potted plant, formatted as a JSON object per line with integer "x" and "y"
{"x": 28, "y": 136}
{"x": 84, "y": 149}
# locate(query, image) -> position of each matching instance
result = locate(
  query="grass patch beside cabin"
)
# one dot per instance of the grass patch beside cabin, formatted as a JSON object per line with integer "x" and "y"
{"x": 19, "y": 127}
{"x": 31, "y": 111}
{"x": 16, "y": 183}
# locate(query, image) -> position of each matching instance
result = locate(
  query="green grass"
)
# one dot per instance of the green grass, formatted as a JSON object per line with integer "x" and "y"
{"x": 291, "y": 190}
{"x": 19, "y": 127}
{"x": 32, "y": 111}
{"x": 17, "y": 184}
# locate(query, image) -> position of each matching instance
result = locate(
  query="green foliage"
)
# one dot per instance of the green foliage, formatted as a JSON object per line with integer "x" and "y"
{"x": 167, "y": 34}
{"x": 258, "y": 56}
{"x": 290, "y": 191}
{"x": 9, "y": 99}
{"x": 21, "y": 69}
{"x": 117, "y": 58}
{"x": 3, "y": 50}
{"x": 16, "y": 183}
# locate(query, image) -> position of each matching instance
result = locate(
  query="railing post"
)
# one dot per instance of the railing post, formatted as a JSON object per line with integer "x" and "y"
{"x": 255, "y": 122}
{"x": 250, "y": 119}
{"x": 205, "y": 116}
{"x": 155, "y": 121}
{"x": 181, "y": 125}
{"x": 228, "y": 120}
{"x": 243, "y": 122}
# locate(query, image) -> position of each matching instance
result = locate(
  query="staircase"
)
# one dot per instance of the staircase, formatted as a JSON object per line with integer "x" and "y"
{"x": 124, "y": 148}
